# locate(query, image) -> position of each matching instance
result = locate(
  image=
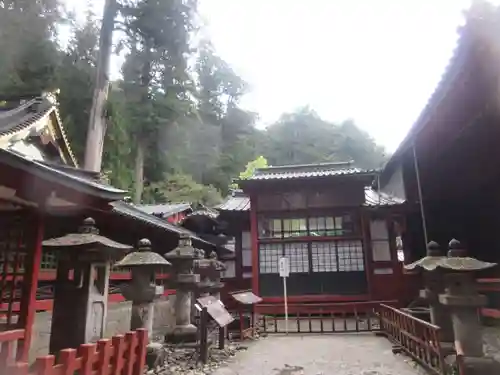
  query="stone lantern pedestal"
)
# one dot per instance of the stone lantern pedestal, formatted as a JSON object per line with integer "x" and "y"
{"x": 463, "y": 301}
{"x": 142, "y": 290}
{"x": 182, "y": 259}
{"x": 434, "y": 285}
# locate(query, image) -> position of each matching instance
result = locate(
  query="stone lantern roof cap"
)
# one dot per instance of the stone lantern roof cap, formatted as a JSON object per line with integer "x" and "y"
{"x": 143, "y": 257}
{"x": 87, "y": 237}
{"x": 431, "y": 261}
{"x": 184, "y": 250}
{"x": 457, "y": 259}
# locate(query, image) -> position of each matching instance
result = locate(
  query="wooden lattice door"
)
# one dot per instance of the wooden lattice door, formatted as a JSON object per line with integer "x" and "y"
{"x": 19, "y": 260}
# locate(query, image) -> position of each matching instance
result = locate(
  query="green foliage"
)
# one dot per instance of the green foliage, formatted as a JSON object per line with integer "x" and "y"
{"x": 303, "y": 137}
{"x": 29, "y": 55}
{"x": 259, "y": 162}
{"x": 181, "y": 188}
{"x": 195, "y": 136}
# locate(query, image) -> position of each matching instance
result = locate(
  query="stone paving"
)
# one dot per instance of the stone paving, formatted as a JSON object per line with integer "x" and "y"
{"x": 338, "y": 354}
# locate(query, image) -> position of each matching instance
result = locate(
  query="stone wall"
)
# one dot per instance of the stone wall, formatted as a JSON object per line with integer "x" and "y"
{"x": 118, "y": 322}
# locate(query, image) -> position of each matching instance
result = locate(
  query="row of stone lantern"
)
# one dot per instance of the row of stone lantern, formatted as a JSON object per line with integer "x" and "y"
{"x": 451, "y": 291}
{"x": 83, "y": 292}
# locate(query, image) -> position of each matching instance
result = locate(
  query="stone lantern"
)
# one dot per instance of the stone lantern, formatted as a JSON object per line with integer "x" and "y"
{"x": 217, "y": 268}
{"x": 210, "y": 274}
{"x": 434, "y": 286}
{"x": 183, "y": 258}
{"x": 82, "y": 283}
{"x": 463, "y": 300}
{"x": 142, "y": 290}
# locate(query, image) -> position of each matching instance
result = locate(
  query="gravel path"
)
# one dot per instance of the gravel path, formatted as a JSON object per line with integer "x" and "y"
{"x": 358, "y": 354}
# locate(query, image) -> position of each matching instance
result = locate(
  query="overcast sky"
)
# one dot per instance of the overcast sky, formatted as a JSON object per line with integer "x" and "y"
{"x": 376, "y": 62}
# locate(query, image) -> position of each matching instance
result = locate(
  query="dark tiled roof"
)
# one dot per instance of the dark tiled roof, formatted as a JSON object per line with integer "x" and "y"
{"x": 61, "y": 176}
{"x": 164, "y": 209}
{"x": 372, "y": 199}
{"x": 23, "y": 113}
{"x": 132, "y": 212}
{"x": 307, "y": 171}
{"x": 238, "y": 201}
{"x": 375, "y": 198}
{"x": 477, "y": 17}
{"x": 23, "y": 116}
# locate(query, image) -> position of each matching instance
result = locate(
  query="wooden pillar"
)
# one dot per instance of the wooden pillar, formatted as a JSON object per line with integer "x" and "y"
{"x": 254, "y": 233}
{"x": 367, "y": 249}
{"x": 30, "y": 283}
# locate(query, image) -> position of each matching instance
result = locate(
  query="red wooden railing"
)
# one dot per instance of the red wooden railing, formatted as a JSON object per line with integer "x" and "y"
{"x": 321, "y": 317}
{"x": 9, "y": 342}
{"x": 417, "y": 338}
{"x": 121, "y": 355}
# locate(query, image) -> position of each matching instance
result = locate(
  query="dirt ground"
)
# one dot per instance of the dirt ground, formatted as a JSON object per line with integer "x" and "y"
{"x": 340, "y": 354}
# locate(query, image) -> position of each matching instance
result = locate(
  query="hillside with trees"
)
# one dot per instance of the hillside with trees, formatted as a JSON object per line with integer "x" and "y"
{"x": 175, "y": 128}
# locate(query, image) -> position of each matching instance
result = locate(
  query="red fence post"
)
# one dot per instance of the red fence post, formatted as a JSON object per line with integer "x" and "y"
{"x": 104, "y": 355}
{"x": 87, "y": 352}
{"x": 131, "y": 340}
{"x": 18, "y": 368}
{"x": 142, "y": 343}
{"x": 44, "y": 365}
{"x": 6, "y": 354}
{"x": 67, "y": 359}
{"x": 118, "y": 352}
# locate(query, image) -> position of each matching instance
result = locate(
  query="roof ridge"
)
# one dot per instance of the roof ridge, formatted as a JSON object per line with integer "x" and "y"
{"x": 19, "y": 108}
{"x": 311, "y": 165}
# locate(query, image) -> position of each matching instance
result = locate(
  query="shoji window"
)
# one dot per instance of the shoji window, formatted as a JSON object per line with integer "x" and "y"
{"x": 350, "y": 255}
{"x": 269, "y": 254}
{"x": 324, "y": 257}
{"x": 381, "y": 251}
{"x": 246, "y": 249}
{"x": 298, "y": 256}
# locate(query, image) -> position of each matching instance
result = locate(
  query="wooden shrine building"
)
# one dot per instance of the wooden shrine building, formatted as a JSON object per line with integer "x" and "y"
{"x": 44, "y": 195}
{"x": 448, "y": 167}
{"x": 339, "y": 234}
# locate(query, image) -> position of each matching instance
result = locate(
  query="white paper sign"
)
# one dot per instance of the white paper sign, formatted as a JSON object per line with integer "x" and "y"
{"x": 284, "y": 266}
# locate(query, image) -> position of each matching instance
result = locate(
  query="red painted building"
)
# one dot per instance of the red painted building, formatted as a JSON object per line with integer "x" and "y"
{"x": 447, "y": 167}
{"x": 339, "y": 234}
{"x": 32, "y": 132}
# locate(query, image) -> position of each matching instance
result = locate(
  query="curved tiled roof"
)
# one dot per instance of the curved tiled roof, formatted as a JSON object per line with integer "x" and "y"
{"x": 478, "y": 17}
{"x": 373, "y": 198}
{"x": 28, "y": 113}
{"x": 288, "y": 172}
{"x": 164, "y": 209}
{"x": 61, "y": 175}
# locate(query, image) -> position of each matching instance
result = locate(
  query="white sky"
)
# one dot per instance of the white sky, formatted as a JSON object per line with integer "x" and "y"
{"x": 376, "y": 62}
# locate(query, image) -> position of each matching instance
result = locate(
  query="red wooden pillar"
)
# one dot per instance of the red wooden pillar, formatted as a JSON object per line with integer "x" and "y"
{"x": 30, "y": 282}
{"x": 254, "y": 233}
{"x": 367, "y": 249}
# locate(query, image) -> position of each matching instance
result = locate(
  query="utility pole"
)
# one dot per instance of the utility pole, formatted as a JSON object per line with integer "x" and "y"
{"x": 97, "y": 121}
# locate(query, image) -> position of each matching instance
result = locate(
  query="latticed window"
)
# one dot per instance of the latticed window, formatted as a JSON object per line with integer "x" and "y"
{"x": 49, "y": 260}
{"x": 269, "y": 255}
{"x": 350, "y": 255}
{"x": 324, "y": 257}
{"x": 298, "y": 256}
{"x": 337, "y": 256}
{"x": 334, "y": 226}
{"x": 270, "y": 228}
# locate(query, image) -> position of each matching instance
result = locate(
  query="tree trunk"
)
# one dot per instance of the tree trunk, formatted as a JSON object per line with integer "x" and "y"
{"x": 97, "y": 121}
{"x": 139, "y": 172}
{"x": 141, "y": 142}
